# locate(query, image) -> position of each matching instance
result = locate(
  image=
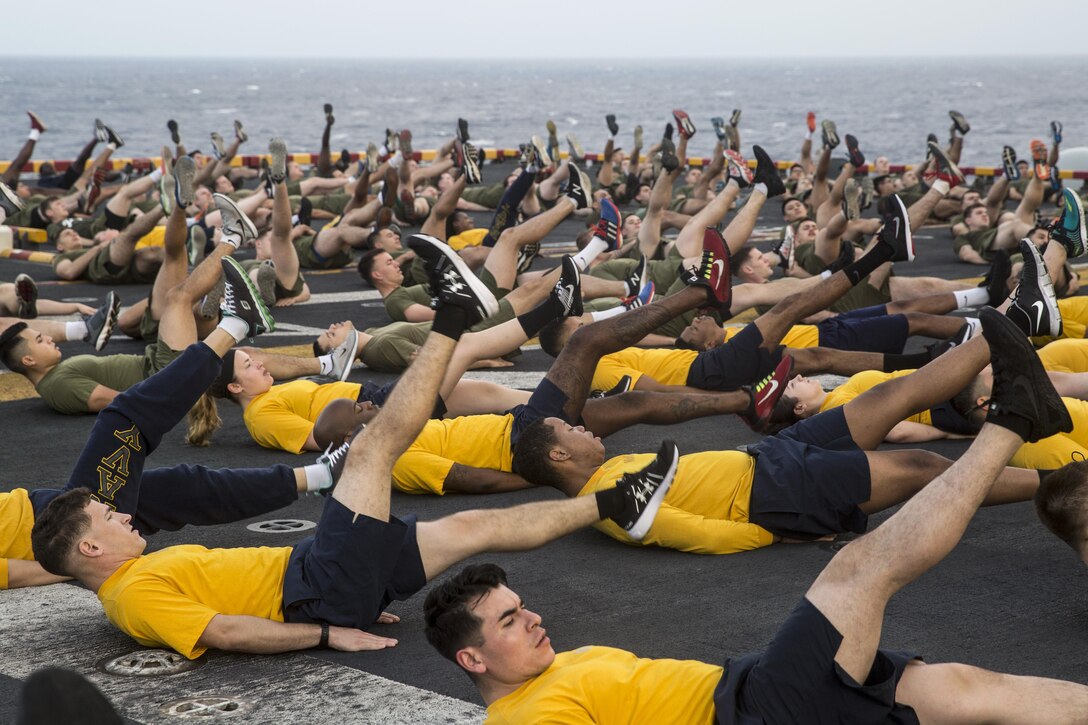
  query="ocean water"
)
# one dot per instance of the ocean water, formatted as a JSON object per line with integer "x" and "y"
{"x": 890, "y": 105}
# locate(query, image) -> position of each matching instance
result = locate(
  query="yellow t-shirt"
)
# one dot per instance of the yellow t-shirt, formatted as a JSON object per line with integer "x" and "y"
{"x": 284, "y": 417}
{"x": 16, "y": 521}
{"x": 666, "y": 366}
{"x": 167, "y": 598}
{"x": 481, "y": 441}
{"x": 866, "y": 380}
{"x": 608, "y": 685}
{"x": 470, "y": 238}
{"x": 1057, "y": 450}
{"x": 154, "y": 238}
{"x": 798, "y": 335}
{"x": 1074, "y": 311}
{"x": 705, "y": 510}
{"x": 1065, "y": 356}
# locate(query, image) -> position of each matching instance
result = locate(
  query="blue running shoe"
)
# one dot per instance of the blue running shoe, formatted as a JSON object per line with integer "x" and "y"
{"x": 1069, "y": 228}
{"x": 1008, "y": 161}
{"x": 608, "y": 228}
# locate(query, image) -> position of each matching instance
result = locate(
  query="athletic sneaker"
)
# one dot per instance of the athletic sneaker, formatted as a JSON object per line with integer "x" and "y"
{"x": 568, "y": 290}
{"x": 333, "y": 459}
{"x": 719, "y": 127}
{"x": 404, "y": 143}
{"x": 830, "y": 134}
{"x": 668, "y": 131}
{"x": 644, "y": 297}
{"x": 1008, "y": 161}
{"x": 452, "y": 282}
{"x": 765, "y": 395}
{"x": 669, "y": 160}
{"x": 643, "y": 491}
{"x": 390, "y": 141}
{"x": 733, "y": 137}
{"x": 940, "y": 348}
{"x": 462, "y": 130}
{"x": 714, "y": 271}
{"x": 784, "y": 247}
{"x": 236, "y": 225}
{"x": 637, "y": 279}
{"x": 538, "y": 154}
{"x": 526, "y": 255}
{"x": 36, "y": 122}
{"x": 638, "y": 137}
{"x": 613, "y": 127}
{"x": 853, "y": 153}
{"x": 810, "y": 120}
{"x": 1056, "y": 131}
{"x": 100, "y": 131}
{"x": 240, "y": 132}
{"x": 266, "y": 282}
{"x": 277, "y": 167}
{"x": 578, "y": 187}
{"x": 851, "y": 196}
{"x": 1023, "y": 399}
{"x": 184, "y": 176}
{"x": 343, "y": 355}
{"x": 372, "y": 161}
{"x": 172, "y": 127}
{"x": 996, "y": 279}
{"x": 166, "y": 192}
{"x": 9, "y": 200}
{"x": 471, "y": 169}
{"x": 218, "y": 149}
{"x": 683, "y": 123}
{"x": 577, "y": 152}
{"x": 553, "y": 141}
{"x": 242, "y": 300}
{"x": 195, "y": 242}
{"x": 845, "y": 259}
{"x": 1069, "y": 227}
{"x": 329, "y": 118}
{"x": 100, "y": 324}
{"x": 1055, "y": 178}
{"x": 26, "y": 295}
{"x": 734, "y": 118}
{"x": 619, "y": 388}
{"x": 896, "y": 230}
{"x": 1038, "y": 156}
{"x": 959, "y": 123}
{"x": 738, "y": 169}
{"x": 1034, "y": 306}
{"x": 767, "y": 173}
{"x": 113, "y": 138}
{"x": 608, "y": 226}
{"x": 209, "y": 306}
{"x": 946, "y": 167}
{"x": 265, "y": 180}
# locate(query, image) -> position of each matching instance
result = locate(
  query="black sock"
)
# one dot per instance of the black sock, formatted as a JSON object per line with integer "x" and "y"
{"x": 535, "y": 319}
{"x": 450, "y": 320}
{"x": 904, "y": 362}
{"x": 1045, "y": 472}
{"x": 878, "y": 255}
{"x": 610, "y": 502}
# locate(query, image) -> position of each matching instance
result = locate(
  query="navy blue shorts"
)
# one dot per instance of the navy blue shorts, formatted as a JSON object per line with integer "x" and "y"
{"x": 547, "y": 401}
{"x": 740, "y": 361}
{"x": 796, "y": 680}
{"x": 371, "y": 392}
{"x": 351, "y": 569}
{"x": 810, "y": 479}
{"x": 868, "y": 329}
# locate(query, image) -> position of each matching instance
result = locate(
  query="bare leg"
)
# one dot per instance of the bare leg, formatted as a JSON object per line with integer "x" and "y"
{"x": 435, "y": 225}
{"x": 831, "y": 205}
{"x": 175, "y": 264}
{"x": 820, "y": 190}
{"x": 502, "y": 261}
{"x": 124, "y": 244}
{"x": 689, "y": 243}
{"x": 284, "y": 255}
{"x": 605, "y": 416}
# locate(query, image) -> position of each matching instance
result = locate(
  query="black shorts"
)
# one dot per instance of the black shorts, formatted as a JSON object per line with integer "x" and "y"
{"x": 351, "y": 569}
{"x": 869, "y": 329}
{"x": 545, "y": 402}
{"x": 740, "y": 361}
{"x": 810, "y": 479}
{"x": 796, "y": 680}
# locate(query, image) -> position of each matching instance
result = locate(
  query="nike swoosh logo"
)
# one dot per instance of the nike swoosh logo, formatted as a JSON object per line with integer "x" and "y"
{"x": 720, "y": 266}
{"x": 768, "y": 391}
{"x": 1038, "y": 315}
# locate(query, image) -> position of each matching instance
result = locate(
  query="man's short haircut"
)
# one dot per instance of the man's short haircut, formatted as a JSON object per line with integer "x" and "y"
{"x": 448, "y": 620}
{"x": 13, "y": 347}
{"x": 971, "y": 209}
{"x": 366, "y": 265}
{"x": 1062, "y": 503}
{"x": 877, "y": 181}
{"x": 796, "y": 165}
{"x": 741, "y": 256}
{"x": 787, "y": 201}
{"x": 58, "y": 528}
{"x": 373, "y": 237}
{"x": 532, "y": 455}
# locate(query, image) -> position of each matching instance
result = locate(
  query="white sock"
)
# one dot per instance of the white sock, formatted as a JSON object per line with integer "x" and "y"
{"x": 396, "y": 160}
{"x": 808, "y": 135}
{"x": 610, "y": 312}
{"x": 35, "y": 134}
{"x": 971, "y": 297}
{"x": 317, "y": 477}
{"x": 761, "y": 188}
{"x": 326, "y": 364}
{"x": 156, "y": 175}
{"x": 75, "y": 330}
{"x": 975, "y": 325}
{"x": 352, "y": 179}
{"x": 111, "y": 146}
{"x": 587, "y": 255}
{"x": 294, "y": 219}
{"x": 235, "y": 327}
{"x": 941, "y": 186}
{"x": 825, "y": 274}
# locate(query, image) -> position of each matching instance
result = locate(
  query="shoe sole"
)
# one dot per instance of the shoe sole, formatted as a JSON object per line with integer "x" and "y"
{"x": 104, "y": 334}
{"x": 351, "y": 342}
{"x": 266, "y": 317}
{"x": 576, "y": 148}
{"x": 26, "y": 290}
{"x": 42, "y": 128}
{"x": 277, "y": 167}
{"x": 479, "y": 289}
{"x": 166, "y": 194}
{"x": 209, "y": 308}
{"x": 775, "y": 185}
{"x": 184, "y": 177}
{"x": 943, "y": 160}
{"x": 1069, "y": 194}
{"x": 240, "y": 132}
{"x": 960, "y": 122}
{"x": 1008, "y": 160}
{"x": 217, "y": 146}
{"x": 221, "y": 201}
{"x": 831, "y": 134}
{"x": 902, "y": 214}
{"x": 542, "y": 156}
{"x": 12, "y": 198}
{"x": 646, "y": 521}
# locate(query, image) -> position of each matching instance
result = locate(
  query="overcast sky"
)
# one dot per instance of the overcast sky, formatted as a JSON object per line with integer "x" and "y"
{"x": 568, "y": 29}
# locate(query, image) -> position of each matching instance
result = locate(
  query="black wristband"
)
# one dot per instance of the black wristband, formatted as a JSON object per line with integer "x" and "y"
{"x": 324, "y": 643}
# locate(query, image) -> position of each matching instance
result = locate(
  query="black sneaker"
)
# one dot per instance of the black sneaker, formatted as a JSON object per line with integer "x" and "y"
{"x": 996, "y": 280}
{"x": 184, "y": 176}
{"x": 218, "y": 149}
{"x": 462, "y": 130}
{"x": 277, "y": 167}
{"x": 113, "y": 138}
{"x": 959, "y": 123}
{"x": 766, "y": 393}
{"x": 643, "y": 491}
{"x": 305, "y": 211}
{"x": 719, "y": 127}
{"x": 9, "y": 200}
{"x": 853, "y": 153}
{"x": 830, "y": 134}
{"x": 1056, "y": 131}
{"x": 333, "y": 460}
{"x": 100, "y": 324}
{"x": 851, "y": 200}
{"x": 1068, "y": 228}
{"x": 668, "y": 131}
{"x": 471, "y": 169}
{"x": 240, "y": 132}
{"x": 767, "y": 173}
{"x": 172, "y": 127}
{"x": 1023, "y": 399}
{"x": 845, "y": 258}
{"x": 578, "y": 187}
{"x": 669, "y": 161}
{"x": 1034, "y": 306}
{"x": 940, "y": 348}
{"x": 26, "y": 296}
{"x": 568, "y": 290}
{"x": 734, "y": 118}
{"x": 390, "y": 141}
{"x": 329, "y": 118}
{"x": 896, "y": 230}
{"x": 343, "y": 355}
{"x": 241, "y": 299}
{"x": 946, "y": 167}
{"x": 613, "y": 128}
{"x": 100, "y": 134}
{"x": 452, "y": 282}
{"x": 265, "y": 180}
{"x": 619, "y": 388}
{"x": 1008, "y": 163}
{"x": 637, "y": 279}
{"x": 237, "y": 227}
{"x": 526, "y": 255}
